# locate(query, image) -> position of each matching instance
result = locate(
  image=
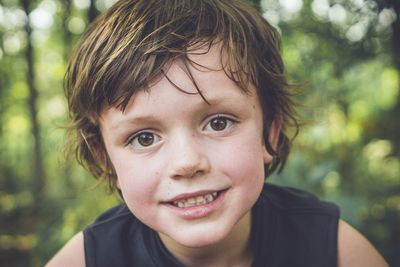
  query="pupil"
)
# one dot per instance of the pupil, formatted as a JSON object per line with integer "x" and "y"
{"x": 218, "y": 124}
{"x": 146, "y": 139}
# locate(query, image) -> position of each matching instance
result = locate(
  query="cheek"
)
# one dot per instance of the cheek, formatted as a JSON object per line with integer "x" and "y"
{"x": 136, "y": 183}
{"x": 243, "y": 163}
{"x": 243, "y": 160}
{"x": 139, "y": 189}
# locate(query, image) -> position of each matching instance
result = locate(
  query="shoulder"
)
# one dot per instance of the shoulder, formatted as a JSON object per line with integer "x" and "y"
{"x": 302, "y": 210}
{"x": 355, "y": 250}
{"x": 118, "y": 218}
{"x": 105, "y": 226}
{"x": 295, "y": 201}
{"x": 300, "y": 216}
{"x": 296, "y": 227}
{"x": 72, "y": 254}
{"x": 113, "y": 238}
{"x": 115, "y": 213}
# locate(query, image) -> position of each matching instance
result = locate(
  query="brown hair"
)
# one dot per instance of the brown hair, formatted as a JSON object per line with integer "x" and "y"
{"x": 130, "y": 44}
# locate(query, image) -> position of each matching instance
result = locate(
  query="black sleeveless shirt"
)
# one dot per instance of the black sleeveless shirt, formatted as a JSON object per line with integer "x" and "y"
{"x": 290, "y": 228}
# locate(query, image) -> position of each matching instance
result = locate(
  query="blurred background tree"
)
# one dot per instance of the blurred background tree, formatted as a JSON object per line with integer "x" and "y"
{"x": 345, "y": 55}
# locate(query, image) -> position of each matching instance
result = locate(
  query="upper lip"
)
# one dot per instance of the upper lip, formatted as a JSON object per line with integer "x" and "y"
{"x": 191, "y": 195}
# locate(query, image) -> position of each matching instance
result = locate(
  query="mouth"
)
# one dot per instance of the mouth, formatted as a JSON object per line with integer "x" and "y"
{"x": 197, "y": 205}
{"x": 195, "y": 201}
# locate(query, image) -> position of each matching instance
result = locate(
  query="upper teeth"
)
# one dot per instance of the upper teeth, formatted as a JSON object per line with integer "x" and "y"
{"x": 194, "y": 201}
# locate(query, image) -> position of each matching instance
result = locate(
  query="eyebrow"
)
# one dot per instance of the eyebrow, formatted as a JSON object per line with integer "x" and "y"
{"x": 213, "y": 101}
{"x": 134, "y": 120}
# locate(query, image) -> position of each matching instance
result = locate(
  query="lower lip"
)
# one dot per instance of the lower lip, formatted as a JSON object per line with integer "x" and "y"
{"x": 198, "y": 212}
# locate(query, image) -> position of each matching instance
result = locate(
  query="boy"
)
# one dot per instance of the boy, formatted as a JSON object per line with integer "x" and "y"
{"x": 182, "y": 107}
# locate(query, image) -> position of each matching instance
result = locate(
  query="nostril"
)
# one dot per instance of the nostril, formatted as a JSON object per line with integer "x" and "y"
{"x": 188, "y": 172}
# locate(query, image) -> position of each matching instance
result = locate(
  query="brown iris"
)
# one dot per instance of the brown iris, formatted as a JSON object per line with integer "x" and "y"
{"x": 145, "y": 139}
{"x": 218, "y": 124}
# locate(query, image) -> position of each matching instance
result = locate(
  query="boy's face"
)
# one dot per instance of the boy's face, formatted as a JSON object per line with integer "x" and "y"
{"x": 189, "y": 170}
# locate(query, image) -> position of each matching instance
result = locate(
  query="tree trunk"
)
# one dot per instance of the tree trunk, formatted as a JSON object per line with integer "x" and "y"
{"x": 92, "y": 11}
{"x": 393, "y": 125}
{"x": 67, "y": 36}
{"x": 395, "y": 4}
{"x": 37, "y": 163}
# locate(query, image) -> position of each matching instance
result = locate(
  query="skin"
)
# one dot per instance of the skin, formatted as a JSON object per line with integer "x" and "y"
{"x": 185, "y": 146}
{"x": 353, "y": 251}
{"x": 188, "y": 155}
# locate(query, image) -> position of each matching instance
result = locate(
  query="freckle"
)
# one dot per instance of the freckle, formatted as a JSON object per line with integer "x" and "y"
{"x": 254, "y": 106}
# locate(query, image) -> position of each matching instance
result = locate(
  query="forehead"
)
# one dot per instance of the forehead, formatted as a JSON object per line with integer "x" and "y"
{"x": 206, "y": 64}
{"x": 201, "y": 60}
{"x": 182, "y": 82}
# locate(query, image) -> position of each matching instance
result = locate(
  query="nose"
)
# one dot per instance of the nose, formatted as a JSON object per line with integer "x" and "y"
{"x": 187, "y": 157}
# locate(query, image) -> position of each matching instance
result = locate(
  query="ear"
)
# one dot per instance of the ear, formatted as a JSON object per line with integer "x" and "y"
{"x": 273, "y": 137}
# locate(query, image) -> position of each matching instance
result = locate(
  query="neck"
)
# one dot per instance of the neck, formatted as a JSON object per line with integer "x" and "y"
{"x": 234, "y": 250}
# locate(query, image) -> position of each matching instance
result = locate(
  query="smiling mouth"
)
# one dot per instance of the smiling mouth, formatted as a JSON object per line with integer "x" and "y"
{"x": 195, "y": 201}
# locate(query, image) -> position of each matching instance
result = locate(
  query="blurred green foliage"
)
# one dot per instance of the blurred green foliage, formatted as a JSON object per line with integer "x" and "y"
{"x": 344, "y": 54}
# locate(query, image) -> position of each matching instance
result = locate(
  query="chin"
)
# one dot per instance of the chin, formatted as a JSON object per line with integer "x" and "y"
{"x": 199, "y": 237}
{"x": 200, "y": 241}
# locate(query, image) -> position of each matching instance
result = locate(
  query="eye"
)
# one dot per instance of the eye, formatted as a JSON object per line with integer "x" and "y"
{"x": 144, "y": 139}
{"x": 219, "y": 123}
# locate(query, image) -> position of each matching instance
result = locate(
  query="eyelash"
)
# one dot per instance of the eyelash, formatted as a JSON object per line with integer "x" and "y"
{"x": 229, "y": 122}
{"x": 135, "y": 138}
